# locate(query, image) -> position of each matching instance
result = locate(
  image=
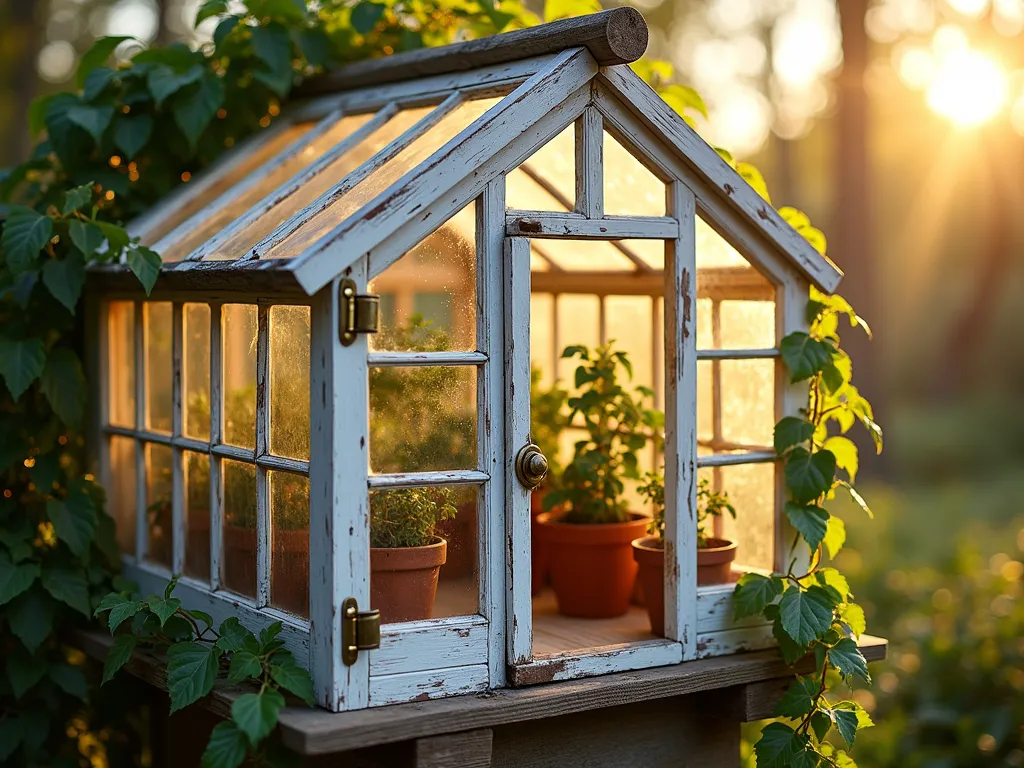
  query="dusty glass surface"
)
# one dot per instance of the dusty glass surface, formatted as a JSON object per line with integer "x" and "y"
{"x": 197, "y": 515}
{"x": 238, "y": 361}
{"x": 195, "y": 383}
{"x": 242, "y": 242}
{"x": 121, "y": 363}
{"x": 428, "y": 297}
{"x": 158, "y": 504}
{"x": 269, "y": 148}
{"x": 629, "y": 324}
{"x": 381, "y": 178}
{"x": 579, "y": 322}
{"x": 629, "y": 188}
{"x": 399, "y": 512}
{"x": 751, "y": 489}
{"x": 546, "y": 181}
{"x": 238, "y": 558}
{"x": 422, "y": 419}
{"x": 121, "y": 493}
{"x": 289, "y": 381}
{"x": 159, "y": 366}
{"x": 543, "y": 355}
{"x": 289, "y": 542}
{"x": 748, "y": 401}
{"x": 272, "y": 175}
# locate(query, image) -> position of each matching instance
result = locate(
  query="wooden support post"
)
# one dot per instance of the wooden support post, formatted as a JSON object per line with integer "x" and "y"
{"x": 469, "y": 749}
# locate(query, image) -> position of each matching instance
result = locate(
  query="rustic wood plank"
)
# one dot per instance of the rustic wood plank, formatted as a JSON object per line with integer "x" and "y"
{"x": 545, "y": 224}
{"x": 425, "y": 685}
{"x": 469, "y": 749}
{"x": 421, "y": 479}
{"x": 617, "y": 36}
{"x": 761, "y": 698}
{"x": 590, "y": 164}
{"x": 440, "y": 643}
{"x": 591, "y": 662}
{"x": 227, "y": 281}
{"x": 411, "y": 359}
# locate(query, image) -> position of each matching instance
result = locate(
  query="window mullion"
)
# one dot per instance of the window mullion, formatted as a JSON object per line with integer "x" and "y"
{"x": 177, "y": 465}
{"x": 216, "y": 436}
{"x": 141, "y": 522}
{"x": 263, "y": 531}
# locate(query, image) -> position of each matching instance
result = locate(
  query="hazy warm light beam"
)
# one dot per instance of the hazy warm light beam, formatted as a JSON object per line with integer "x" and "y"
{"x": 969, "y": 87}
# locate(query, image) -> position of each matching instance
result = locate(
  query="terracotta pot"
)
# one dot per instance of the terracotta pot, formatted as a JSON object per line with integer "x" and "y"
{"x": 591, "y": 565}
{"x": 461, "y": 533}
{"x": 714, "y": 562}
{"x": 650, "y": 557}
{"x": 289, "y": 567}
{"x": 403, "y": 580}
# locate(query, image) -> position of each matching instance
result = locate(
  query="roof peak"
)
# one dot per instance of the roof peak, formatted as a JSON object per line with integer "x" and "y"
{"x": 616, "y": 36}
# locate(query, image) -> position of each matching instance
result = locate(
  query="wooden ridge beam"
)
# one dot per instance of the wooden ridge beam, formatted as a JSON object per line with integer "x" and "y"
{"x": 616, "y": 36}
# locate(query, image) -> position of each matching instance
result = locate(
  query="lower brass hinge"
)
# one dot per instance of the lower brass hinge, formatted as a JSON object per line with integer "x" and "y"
{"x": 360, "y": 631}
{"x": 356, "y": 314}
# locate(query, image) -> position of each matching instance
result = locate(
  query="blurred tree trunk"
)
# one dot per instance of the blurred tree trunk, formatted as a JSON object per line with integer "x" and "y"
{"x": 163, "y": 32}
{"x": 850, "y": 244}
{"x": 22, "y": 24}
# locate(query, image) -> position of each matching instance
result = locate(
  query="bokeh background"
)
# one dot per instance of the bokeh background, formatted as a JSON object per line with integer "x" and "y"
{"x": 898, "y": 126}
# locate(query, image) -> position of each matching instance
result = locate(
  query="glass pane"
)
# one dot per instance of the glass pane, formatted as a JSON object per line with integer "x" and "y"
{"x": 289, "y": 381}
{"x": 272, "y": 175}
{"x": 269, "y": 148}
{"x": 543, "y": 355}
{"x": 629, "y": 188}
{"x": 238, "y": 564}
{"x": 196, "y": 372}
{"x": 629, "y": 324}
{"x": 197, "y": 515}
{"x": 423, "y": 556}
{"x": 159, "y": 366}
{"x": 705, "y": 401}
{"x": 158, "y": 504}
{"x": 751, "y": 490}
{"x": 243, "y": 241}
{"x": 546, "y": 181}
{"x": 121, "y": 492}
{"x": 579, "y": 322}
{"x": 289, "y": 553}
{"x": 431, "y": 291}
{"x": 121, "y": 363}
{"x": 383, "y": 177}
{"x": 748, "y": 401}
{"x": 238, "y": 358}
{"x": 422, "y": 419}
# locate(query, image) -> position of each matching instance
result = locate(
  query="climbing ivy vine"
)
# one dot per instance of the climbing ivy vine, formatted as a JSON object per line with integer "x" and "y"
{"x": 129, "y": 134}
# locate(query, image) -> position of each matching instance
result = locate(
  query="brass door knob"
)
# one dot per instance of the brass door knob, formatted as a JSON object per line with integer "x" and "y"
{"x": 531, "y": 466}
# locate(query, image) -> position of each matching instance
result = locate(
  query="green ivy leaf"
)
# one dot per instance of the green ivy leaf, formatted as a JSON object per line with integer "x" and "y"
{"x": 145, "y": 265}
{"x": 64, "y": 385}
{"x": 273, "y": 47}
{"x": 69, "y": 587}
{"x": 293, "y": 679}
{"x": 97, "y": 55}
{"x": 804, "y": 356}
{"x": 831, "y": 577}
{"x": 64, "y": 278}
{"x": 852, "y": 615}
{"x": 191, "y": 670}
{"x": 753, "y": 592}
{"x": 96, "y": 82}
{"x": 163, "y": 608}
{"x": 209, "y": 9}
{"x": 835, "y": 536}
{"x": 87, "y": 237}
{"x": 195, "y": 108}
{"x": 93, "y": 118}
{"x": 117, "y": 237}
{"x": 226, "y": 748}
{"x": 791, "y": 431}
{"x": 26, "y": 233}
{"x": 15, "y": 579}
{"x": 70, "y": 679}
{"x": 21, "y": 362}
{"x": 74, "y": 521}
{"x": 846, "y": 657}
{"x": 821, "y": 722}
{"x": 809, "y": 475}
{"x": 244, "y": 665}
{"x": 24, "y": 671}
{"x": 366, "y": 15}
{"x": 858, "y": 499}
{"x": 131, "y": 132}
{"x": 810, "y": 520}
{"x": 224, "y": 29}
{"x": 10, "y": 736}
{"x": 118, "y": 655}
{"x": 846, "y": 724}
{"x": 201, "y": 616}
{"x": 233, "y": 636}
{"x": 255, "y": 714}
{"x": 798, "y": 700}
{"x": 121, "y": 609}
{"x": 845, "y": 451}
{"x": 37, "y": 116}
{"x": 315, "y": 46}
{"x": 777, "y": 746}
{"x": 279, "y": 10}
{"x": 77, "y": 197}
{"x": 164, "y": 81}
{"x": 30, "y": 617}
{"x": 805, "y": 614}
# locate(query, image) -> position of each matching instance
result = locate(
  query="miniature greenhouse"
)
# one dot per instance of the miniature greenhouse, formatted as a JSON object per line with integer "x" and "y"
{"x": 379, "y": 327}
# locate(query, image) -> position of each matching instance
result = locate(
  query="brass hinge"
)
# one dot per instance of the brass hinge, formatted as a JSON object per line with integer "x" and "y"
{"x": 357, "y": 314}
{"x": 360, "y": 631}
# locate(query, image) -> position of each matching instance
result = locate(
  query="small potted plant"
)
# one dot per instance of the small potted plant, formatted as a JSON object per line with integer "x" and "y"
{"x": 406, "y": 554}
{"x": 714, "y": 556}
{"x": 587, "y": 528}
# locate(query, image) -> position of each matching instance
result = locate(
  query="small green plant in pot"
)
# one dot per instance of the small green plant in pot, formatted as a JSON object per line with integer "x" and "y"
{"x": 714, "y": 556}
{"x": 406, "y": 554}
{"x": 588, "y": 528}
{"x": 547, "y": 422}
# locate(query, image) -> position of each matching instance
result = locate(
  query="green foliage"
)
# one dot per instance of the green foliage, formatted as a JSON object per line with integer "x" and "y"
{"x": 547, "y": 422}
{"x": 618, "y": 426}
{"x": 408, "y": 517}
{"x": 198, "y": 656}
{"x": 814, "y": 612}
{"x": 710, "y": 504}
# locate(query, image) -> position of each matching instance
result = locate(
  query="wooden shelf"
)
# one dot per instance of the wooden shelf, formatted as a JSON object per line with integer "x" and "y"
{"x": 554, "y": 633}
